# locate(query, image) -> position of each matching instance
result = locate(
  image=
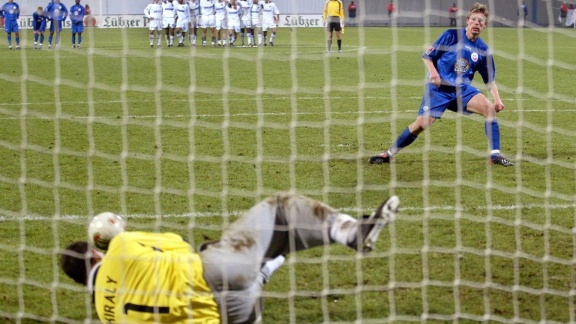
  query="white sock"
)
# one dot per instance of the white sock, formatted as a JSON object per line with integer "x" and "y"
{"x": 151, "y": 39}
{"x": 272, "y": 37}
{"x": 259, "y": 39}
{"x": 159, "y": 40}
{"x": 270, "y": 267}
{"x": 171, "y": 40}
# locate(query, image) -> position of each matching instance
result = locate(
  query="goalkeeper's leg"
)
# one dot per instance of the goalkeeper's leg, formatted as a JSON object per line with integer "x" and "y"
{"x": 265, "y": 230}
{"x": 289, "y": 223}
{"x": 277, "y": 226}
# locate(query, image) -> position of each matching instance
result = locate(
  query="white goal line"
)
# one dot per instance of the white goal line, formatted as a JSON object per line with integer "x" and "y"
{"x": 410, "y": 209}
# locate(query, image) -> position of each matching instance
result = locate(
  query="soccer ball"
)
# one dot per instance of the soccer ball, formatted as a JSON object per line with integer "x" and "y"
{"x": 103, "y": 228}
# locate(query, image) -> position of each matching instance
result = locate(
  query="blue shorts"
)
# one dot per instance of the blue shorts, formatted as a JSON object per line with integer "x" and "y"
{"x": 11, "y": 26}
{"x": 55, "y": 22}
{"x": 78, "y": 27}
{"x": 437, "y": 99}
{"x": 39, "y": 28}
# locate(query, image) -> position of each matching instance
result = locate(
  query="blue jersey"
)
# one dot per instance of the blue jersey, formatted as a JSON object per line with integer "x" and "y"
{"x": 10, "y": 11}
{"x": 38, "y": 21}
{"x": 455, "y": 56}
{"x": 77, "y": 13}
{"x": 56, "y": 11}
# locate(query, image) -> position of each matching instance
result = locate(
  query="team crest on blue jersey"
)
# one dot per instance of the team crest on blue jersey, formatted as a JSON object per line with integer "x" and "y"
{"x": 461, "y": 65}
{"x": 474, "y": 57}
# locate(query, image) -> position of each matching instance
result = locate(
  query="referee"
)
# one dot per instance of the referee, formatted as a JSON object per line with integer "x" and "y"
{"x": 334, "y": 17}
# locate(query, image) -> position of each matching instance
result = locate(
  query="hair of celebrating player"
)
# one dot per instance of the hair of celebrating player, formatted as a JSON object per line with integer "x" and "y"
{"x": 75, "y": 261}
{"x": 478, "y": 8}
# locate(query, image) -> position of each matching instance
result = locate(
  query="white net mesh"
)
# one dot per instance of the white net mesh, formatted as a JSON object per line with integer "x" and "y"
{"x": 185, "y": 140}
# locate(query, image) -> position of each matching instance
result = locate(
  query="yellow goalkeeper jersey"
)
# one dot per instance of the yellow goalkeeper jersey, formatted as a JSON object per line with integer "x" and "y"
{"x": 332, "y": 9}
{"x": 153, "y": 277}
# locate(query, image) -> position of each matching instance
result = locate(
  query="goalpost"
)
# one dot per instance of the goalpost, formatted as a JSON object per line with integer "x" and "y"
{"x": 185, "y": 140}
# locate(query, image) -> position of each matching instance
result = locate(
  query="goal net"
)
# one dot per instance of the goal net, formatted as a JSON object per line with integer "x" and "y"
{"x": 185, "y": 140}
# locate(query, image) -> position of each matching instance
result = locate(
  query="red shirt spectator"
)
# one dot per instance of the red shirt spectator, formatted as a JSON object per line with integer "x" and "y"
{"x": 563, "y": 14}
{"x": 390, "y": 8}
{"x": 452, "y": 12}
{"x": 352, "y": 13}
{"x": 352, "y": 10}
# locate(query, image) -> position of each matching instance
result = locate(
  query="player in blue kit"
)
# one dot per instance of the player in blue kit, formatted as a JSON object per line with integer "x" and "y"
{"x": 77, "y": 19}
{"x": 57, "y": 13}
{"x": 10, "y": 11}
{"x": 39, "y": 26}
{"x": 452, "y": 61}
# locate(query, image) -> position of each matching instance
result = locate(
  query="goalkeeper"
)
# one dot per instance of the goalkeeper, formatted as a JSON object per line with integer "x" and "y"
{"x": 451, "y": 62}
{"x": 153, "y": 277}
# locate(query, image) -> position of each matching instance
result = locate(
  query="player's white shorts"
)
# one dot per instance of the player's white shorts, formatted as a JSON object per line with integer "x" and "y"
{"x": 168, "y": 22}
{"x": 194, "y": 22}
{"x": 246, "y": 23}
{"x": 220, "y": 24}
{"x": 256, "y": 23}
{"x": 207, "y": 21}
{"x": 155, "y": 25}
{"x": 183, "y": 24}
{"x": 268, "y": 25}
{"x": 235, "y": 27}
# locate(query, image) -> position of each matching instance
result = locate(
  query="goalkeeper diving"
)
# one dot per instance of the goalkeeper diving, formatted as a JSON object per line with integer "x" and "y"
{"x": 158, "y": 277}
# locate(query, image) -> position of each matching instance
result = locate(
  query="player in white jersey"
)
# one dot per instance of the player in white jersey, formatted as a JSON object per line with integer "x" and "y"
{"x": 220, "y": 17}
{"x": 255, "y": 12}
{"x": 182, "y": 21}
{"x": 245, "y": 21}
{"x": 168, "y": 21}
{"x": 270, "y": 17}
{"x": 154, "y": 14}
{"x": 233, "y": 11}
{"x": 207, "y": 20}
{"x": 255, "y": 25}
{"x": 194, "y": 20}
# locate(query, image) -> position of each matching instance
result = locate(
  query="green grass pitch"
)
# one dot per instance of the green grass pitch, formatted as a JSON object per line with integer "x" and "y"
{"x": 196, "y": 136}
